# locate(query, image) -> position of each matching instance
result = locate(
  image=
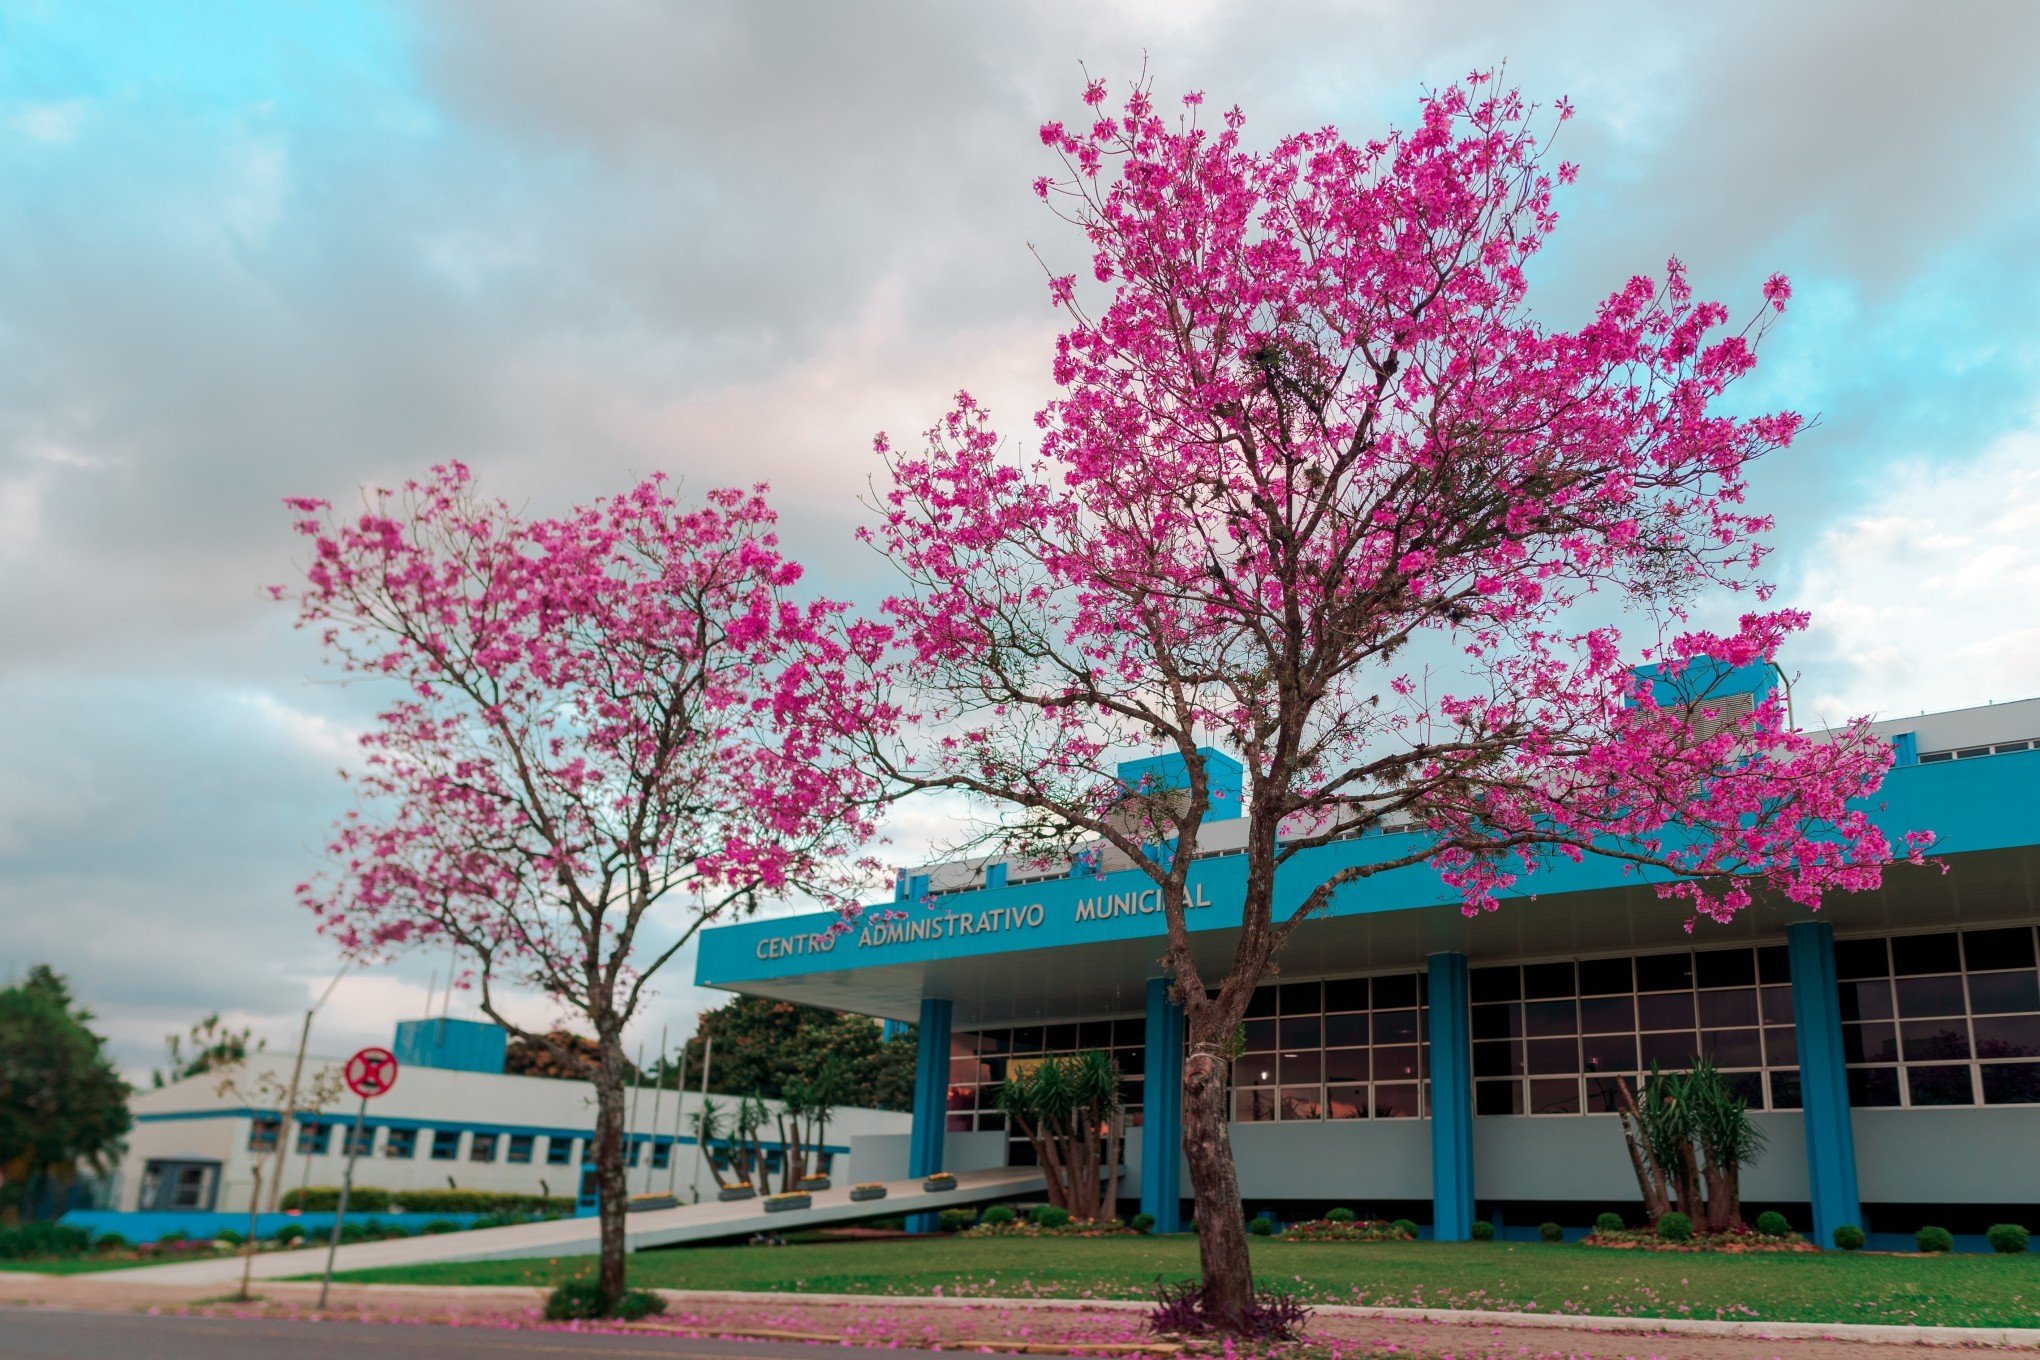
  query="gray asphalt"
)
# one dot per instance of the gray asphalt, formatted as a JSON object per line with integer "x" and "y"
{"x": 37, "y": 1334}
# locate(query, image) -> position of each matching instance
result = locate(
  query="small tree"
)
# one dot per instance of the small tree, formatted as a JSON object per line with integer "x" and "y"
{"x": 610, "y": 729}
{"x": 1070, "y": 1112}
{"x": 1689, "y": 1136}
{"x": 207, "y": 1045}
{"x": 709, "y": 1123}
{"x": 62, "y": 1102}
{"x": 1320, "y": 488}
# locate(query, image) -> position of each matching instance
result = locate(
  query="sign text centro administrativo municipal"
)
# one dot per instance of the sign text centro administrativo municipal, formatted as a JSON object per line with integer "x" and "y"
{"x": 907, "y": 925}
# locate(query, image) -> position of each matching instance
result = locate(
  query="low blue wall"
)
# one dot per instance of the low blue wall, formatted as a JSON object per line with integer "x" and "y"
{"x": 153, "y": 1227}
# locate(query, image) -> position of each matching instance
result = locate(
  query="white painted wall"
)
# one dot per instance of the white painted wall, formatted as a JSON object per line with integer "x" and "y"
{"x": 214, "y": 1129}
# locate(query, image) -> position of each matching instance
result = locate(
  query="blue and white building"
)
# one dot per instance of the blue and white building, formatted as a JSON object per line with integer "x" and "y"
{"x": 455, "y": 1119}
{"x": 1410, "y": 1061}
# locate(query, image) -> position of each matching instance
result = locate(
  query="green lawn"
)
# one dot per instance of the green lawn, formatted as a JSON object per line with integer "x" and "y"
{"x": 1829, "y": 1287}
{"x": 85, "y": 1265}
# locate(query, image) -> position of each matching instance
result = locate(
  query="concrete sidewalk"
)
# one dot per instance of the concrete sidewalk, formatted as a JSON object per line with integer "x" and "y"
{"x": 579, "y": 1236}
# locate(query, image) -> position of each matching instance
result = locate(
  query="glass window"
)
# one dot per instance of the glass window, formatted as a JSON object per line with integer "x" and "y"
{"x": 263, "y": 1132}
{"x": 359, "y": 1142}
{"x": 662, "y": 1155}
{"x": 559, "y": 1151}
{"x": 520, "y": 1148}
{"x": 400, "y": 1145}
{"x": 314, "y": 1139}
{"x": 445, "y": 1144}
{"x": 482, "y": 1148}
{"x": 1966, "y": 1007}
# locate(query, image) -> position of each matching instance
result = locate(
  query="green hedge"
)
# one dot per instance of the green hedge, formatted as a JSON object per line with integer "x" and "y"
{"x": 370, "y": 1199}
{"x": 30, "y": 1241}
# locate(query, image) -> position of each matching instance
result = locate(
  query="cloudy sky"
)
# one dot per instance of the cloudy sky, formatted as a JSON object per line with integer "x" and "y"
{"x": 261, "y": 249}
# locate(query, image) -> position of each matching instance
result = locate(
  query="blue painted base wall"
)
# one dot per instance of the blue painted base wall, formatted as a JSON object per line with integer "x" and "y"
{"x": 153, "y": 1227}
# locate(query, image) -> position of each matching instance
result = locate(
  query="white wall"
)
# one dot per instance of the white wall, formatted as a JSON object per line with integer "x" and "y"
{"x": 432, "y": 1097}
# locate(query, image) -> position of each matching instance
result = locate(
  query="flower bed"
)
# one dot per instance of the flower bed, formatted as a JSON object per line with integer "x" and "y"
{"x": 1027, "y": 1227}
{"x": 779, "y": 1203}
{"x": 1738, "y": 1242}
{"x": 867, "y": 1191}
{"x": 1360, "y": 1230}
{"x": 742, "y": 1190}
{"x": 941, "y": 1180}
{"x": 639, "y": 1203}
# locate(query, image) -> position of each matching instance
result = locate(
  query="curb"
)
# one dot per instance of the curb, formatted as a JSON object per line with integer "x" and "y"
{"x": 2021, "y": 1338}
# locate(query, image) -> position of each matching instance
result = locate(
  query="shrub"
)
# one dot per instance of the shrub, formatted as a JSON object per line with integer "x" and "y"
{"x": 371, "y": 1199}
{"x": 1934, "y": 1240}
{"x": 1771, "y": 1223}
{"x": 1483, "y": 1231}
{"x": 2009, "y": 1238}
{"x": 501, "y": 1218}
{"x": 1551, "y": 1232}
{"x": 230, "y": 1237}
{"x": 956, "y": 1220}
{"x": 1608, "y": 1223}
{"x": 440, "y": 1225}
{"x": 1849, "y": 1237}
{"x": 1407, "y": 1228}
{"x": 1143, "y": 1223}
{"x": 324, "y": 1199}
{"x": 1048, "y": 1216}
{"x": 289, "y": 1233}
{"x": 576, "y": 1300}
{"x": 1182, "y": 1310}
{"x": 997, "y": 1214}
{"x": 43, "y": 1238}
{"x": 1340, "y": 1216}
{"x": 111, "y": 1241}
{"x": 639, "y": 1303}
{"x": 1675, "y": 1228}
{"x": 351, "y": 1231}
{"x": 1262, "y": 1226}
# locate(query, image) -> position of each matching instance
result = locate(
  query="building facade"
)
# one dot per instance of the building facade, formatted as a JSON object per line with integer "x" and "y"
{"x": 1411, "y": 1061}
{"x": 454, "y": 1120}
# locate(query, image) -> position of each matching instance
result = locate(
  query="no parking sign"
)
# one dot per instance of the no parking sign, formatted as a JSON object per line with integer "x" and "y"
{"x": 371, "y": 1072}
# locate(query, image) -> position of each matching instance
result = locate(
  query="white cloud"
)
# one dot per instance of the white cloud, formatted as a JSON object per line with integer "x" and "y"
{"x": 57, "y": 122}
{"x": 318, "y": 735}
{"x": 1923, "y": 599}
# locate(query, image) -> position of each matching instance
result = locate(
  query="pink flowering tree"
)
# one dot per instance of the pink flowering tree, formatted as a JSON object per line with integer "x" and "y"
{"x": 608, "y": 730}
{"x": 1320, "y": 489}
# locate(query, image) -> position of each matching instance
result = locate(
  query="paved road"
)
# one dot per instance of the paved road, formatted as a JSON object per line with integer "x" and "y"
{"x": 35, "y": 1334}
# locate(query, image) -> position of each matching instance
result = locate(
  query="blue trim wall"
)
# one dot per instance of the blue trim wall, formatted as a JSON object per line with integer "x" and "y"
{"x": 156, "y": 1224}
{"x": 1972, "y": 804}
{"x": 931, "y": 1101}
{"x": 441, "y": 1125}
{"x": 1823, "y": 1081}
{"x": 1451, "y": 1099}
{"x": 1161, "y": 1111}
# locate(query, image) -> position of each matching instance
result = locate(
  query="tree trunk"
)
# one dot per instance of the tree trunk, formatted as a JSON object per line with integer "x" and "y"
{"x": 609, "y": 1159}
{"x": 1221, "y": 1226}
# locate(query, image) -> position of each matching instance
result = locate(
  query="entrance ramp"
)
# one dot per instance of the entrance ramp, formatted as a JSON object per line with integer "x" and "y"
{"x": 648, "y": 1228}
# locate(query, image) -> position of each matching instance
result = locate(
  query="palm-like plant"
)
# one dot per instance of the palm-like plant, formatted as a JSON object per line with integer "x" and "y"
{"x": 1068, "y": 1109}
{"x": 1689, "y": 1136}
{"x": 709, "y": 1123}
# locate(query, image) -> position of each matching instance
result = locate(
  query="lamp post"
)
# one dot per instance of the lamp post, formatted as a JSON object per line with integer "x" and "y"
{"x": 289, "y": 1111}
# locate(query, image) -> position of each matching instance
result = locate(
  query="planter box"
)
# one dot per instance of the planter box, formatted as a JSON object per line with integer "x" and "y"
{"x": 730, "y": 1192}
{"x": 933, "y": 1184}
{"x": 875, "y": 1192}
{"x": 651, "y": 1202}
{"x": 781, "y": 1203}
{"x": 814, "y": 1183}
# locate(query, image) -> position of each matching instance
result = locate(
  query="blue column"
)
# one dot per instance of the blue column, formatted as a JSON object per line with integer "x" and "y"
{"x": 1161, "y": 1111}
{"x": 931, "y": 1101}
{"x": 1823, "y": 1083}
{"x": 1451, "y": 1100}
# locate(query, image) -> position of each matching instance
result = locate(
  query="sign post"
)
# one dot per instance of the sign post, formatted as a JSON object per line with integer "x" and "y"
{"x": 369, "y": 1073}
